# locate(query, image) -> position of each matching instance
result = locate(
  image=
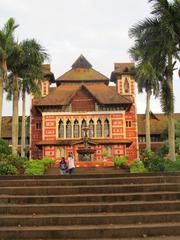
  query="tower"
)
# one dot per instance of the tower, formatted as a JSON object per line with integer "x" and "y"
{"x": 124, "y": 79}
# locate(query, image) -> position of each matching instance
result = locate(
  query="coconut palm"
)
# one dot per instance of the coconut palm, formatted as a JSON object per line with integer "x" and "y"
{"x": 158, "y": 38}
{"x": 25, "y": 64}
{"x": 34, "y": 56}
{"x": 6, "y": 45}
{"x": 146, "y": 81}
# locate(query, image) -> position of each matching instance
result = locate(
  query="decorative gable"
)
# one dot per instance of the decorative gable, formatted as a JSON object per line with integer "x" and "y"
{"x": 83, "y": 101}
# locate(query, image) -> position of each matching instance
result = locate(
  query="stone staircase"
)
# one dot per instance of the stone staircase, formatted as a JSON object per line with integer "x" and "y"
{"x": 90, "y": 206}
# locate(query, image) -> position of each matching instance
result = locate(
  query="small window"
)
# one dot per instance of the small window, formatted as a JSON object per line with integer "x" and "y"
{"x": 126, "y": 86}
{"x": 128, "y": 124}
{"x": 38, "y": 125}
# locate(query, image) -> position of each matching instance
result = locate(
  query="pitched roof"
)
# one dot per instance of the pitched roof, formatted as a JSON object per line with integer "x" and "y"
{"x": 82, "y": 74}
{"x": 106, "y": 95}
{"x": 121, "y": 68}
{"x": 82, "y": 71}
{"x": 7, "y": 127}
{"x": 46, "y": 69}
{"x": 81, "y": 62}
{"x": 157, "y": 125}
{"x": 58, "y": 97}
{"x": 64, "y": 94}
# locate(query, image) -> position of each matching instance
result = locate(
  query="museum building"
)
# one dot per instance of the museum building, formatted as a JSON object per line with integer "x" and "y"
{"x": 83, "y": 108}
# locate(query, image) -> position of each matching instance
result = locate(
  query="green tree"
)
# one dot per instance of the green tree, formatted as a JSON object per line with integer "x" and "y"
{"x": 158, "y": 38}
{"x": 146, "y": 81}
{"x": 34, "y": 56}
{"x": 6, "y": 46}
{"x": 25, "y": 64}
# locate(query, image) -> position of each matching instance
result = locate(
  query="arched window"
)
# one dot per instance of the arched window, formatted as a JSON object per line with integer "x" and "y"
{"x": 91, "y": 126}
{"x": 61, "y": 129}
{"x": 126, "y": 86}
{"x": 76, "y": 129}
{"x": 106, "y": 128}
{"x": 83, "y": 125}
{"x": 99, "y": 128}
{"x": 68, "y": 129}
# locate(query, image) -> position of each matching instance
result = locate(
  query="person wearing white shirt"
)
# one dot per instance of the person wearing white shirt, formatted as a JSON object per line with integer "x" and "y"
{"x": 71, "y": 165}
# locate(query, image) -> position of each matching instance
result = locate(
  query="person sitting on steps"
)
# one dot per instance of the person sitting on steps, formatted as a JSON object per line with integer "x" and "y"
{"x": 63, "y": 166}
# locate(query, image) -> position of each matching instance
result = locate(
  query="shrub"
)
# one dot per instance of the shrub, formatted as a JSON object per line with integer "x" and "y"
{"x": 34, "y": 167}
{"x": 138, "y": 167}
{"x": 4, "y": 147}
{"x": 37, "y": 167}
{"x": 172, "y": 166}
{"x": 163, "y": 150}
{"x": 46, "y": 161}
{"x": 120, "y": 160}
{"x": 8, "y": 169}
{"x": 152, "y": 161}
{"x": 18, "y": 162}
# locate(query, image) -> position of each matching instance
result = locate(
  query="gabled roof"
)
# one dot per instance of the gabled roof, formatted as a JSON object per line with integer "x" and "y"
{"x": 102, "y": 93}
{"x": 157, "y": 125}
{"x": 82, "y": 71}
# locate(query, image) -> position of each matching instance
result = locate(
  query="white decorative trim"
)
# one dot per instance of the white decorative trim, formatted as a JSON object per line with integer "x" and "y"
{"x": 81, "y": 113}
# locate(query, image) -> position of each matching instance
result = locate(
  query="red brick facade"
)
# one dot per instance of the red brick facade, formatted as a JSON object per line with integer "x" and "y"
{"x": 109, "y": 112}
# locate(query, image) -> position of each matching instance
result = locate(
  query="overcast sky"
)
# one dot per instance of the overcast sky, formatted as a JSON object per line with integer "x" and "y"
{"x": 98, "y": 29}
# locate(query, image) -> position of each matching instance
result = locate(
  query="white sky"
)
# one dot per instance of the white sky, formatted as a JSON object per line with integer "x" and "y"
{"x": 98, "y": 29}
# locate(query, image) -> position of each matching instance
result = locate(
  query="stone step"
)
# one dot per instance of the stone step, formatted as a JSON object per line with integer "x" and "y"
{"x": 108, "y": 197}
{"x": 49, "y": 190}
{"x": 91, "y": 231}
{"x": 90, "y": 181}
{"x": 139, "y": 238}
{"x": 92, "y": 175}
{"x": 99, "y": 207}
{"x": 88, "y": 219}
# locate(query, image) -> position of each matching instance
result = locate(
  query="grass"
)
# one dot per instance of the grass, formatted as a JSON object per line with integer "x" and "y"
{"x": 173, "y": 166}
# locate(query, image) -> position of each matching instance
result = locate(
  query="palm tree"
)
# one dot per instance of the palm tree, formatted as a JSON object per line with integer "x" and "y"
{"x": 25, "y": 64}
{"x": 6, "y": 45}
{"x": 159, "y": 40}
{"x": 34, "y": 56}
{"x": 146, "y": 80}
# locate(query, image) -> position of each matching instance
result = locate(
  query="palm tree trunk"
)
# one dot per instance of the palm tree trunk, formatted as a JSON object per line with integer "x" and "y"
{"x": 1, "y": 104}
{"x": 170, "y": 114}
{"x": 15, "y": 122}
{"x": 171, "y": 137}
{"x": 23, "y": 125}
{"x": 148, "y": 134}
{"x": 2, "y": 80}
